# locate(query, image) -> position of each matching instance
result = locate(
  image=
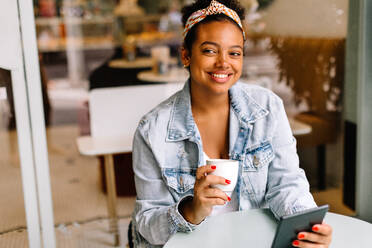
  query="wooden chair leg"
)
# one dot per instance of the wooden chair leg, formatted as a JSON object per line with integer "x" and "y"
{"x": 321, "y": 159}
{"x": 111, "y": 197}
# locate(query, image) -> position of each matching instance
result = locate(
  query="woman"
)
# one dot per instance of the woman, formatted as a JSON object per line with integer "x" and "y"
{"x": 214, "y": 116}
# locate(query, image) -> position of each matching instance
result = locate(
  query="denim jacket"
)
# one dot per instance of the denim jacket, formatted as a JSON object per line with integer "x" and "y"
{"x": 167, "y": 150}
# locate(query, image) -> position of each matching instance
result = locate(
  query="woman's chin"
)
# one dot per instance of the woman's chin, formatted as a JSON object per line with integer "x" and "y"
{"x": 220, "y": 88}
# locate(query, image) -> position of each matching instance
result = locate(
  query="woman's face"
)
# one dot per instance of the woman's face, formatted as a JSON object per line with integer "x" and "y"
{"x": 216, "y": 57}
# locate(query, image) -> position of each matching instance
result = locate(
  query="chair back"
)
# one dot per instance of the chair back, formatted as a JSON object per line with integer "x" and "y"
{"x": 116, "y": 111}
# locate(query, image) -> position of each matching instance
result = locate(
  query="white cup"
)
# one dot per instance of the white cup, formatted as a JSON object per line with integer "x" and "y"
{"x": 160, "y": 56}
{"x": 227, "y": 169}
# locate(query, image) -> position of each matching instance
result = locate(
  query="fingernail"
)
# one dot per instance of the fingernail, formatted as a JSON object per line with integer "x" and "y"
{"x": 227, "y": 181}
{"x": 213, "y": 167}
{"x": 228, "y": 198}
{"x": 295, "y": 243}
{"x": 301, "y": 236}
{"x": 315, "y": 228}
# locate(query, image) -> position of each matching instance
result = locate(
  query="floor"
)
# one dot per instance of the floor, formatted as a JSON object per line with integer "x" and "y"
{"x": 80, "y": 213}
{"x": 79, "y": 204}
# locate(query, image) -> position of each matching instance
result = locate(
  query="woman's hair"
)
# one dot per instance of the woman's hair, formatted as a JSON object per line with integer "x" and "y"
{"x": 188, "y": 10}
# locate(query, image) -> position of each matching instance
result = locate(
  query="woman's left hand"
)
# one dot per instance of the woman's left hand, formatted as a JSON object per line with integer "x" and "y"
{"x": 320, "y": 237}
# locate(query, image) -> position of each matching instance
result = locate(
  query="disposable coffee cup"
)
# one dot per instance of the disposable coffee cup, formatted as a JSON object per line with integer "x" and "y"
{"x": 227, "y": 169}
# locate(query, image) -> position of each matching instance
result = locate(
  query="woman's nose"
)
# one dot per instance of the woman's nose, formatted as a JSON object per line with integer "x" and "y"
{"x": 222, "y": 60}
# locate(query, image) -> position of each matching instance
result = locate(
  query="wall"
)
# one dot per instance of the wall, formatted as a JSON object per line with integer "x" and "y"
{"x": 312, "y": 18}
{"x": 8, "y": 34}
{"x": 316, "y": 18}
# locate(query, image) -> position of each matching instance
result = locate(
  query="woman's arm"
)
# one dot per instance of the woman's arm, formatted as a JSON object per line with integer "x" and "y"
{"x": 156, "y": 212}
{"x": 287, "y": 187}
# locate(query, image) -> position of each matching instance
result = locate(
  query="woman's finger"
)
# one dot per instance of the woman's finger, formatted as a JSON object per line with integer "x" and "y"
{"x": 305, "y": 244}
{"x": 213, "y": 180}
{"x": 216, "y": 193}
{"x": 210, "y": 180}
{"x": 323, "y": 229}
{"x": 213, "y": 201}
{"x": 314, "y": 238}
{"x": 202, "y": 171}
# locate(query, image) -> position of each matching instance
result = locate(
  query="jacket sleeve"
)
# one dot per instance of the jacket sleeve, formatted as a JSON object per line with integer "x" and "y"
{"x": 156, "y": 212}
{"x": 287, "y": 188}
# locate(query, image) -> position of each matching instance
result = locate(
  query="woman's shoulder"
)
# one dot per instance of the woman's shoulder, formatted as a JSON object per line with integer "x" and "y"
{"x": 262, "y": 96}
{"x": 159, "y": 115}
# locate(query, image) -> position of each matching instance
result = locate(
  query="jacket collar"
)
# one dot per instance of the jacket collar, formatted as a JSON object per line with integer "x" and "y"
{"x": 245, "y": 107}
{"x": 182, "y": 126}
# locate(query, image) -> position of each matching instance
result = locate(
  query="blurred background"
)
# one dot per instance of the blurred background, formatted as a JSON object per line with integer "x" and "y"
{"x": 296, "y": 48}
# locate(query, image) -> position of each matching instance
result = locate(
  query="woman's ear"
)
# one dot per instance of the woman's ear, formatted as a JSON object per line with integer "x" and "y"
{"x": 185, "y": 57}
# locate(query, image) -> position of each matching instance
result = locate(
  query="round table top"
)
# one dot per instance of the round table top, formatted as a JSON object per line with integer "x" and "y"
{"x": 126, "y": 64}
{"x": 298, "y": 127}
{"x": 139, "y": 62}
{"x": 257, "y": 227}
{"x": 174, "y": 75}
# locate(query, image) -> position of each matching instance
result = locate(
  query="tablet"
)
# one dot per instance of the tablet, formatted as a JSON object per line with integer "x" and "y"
{"x": 290, "y": 225}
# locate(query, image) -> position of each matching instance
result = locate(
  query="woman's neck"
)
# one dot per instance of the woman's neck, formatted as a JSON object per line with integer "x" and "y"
{"x": 203, "y": 102}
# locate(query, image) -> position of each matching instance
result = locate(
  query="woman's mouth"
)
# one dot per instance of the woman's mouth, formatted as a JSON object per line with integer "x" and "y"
{"x": 220, "y": 77}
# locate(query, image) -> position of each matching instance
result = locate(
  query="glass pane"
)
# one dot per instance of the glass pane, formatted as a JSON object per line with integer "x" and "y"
{"x": 13, "y": 232}
{"x": 76, "y": 42}
{"x": 288, "y": 50}
{"x": 297, "y": 49}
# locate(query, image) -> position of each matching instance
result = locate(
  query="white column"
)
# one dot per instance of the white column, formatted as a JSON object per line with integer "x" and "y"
{"x": 74, "y": 48}
{"x": 35, "y": 105}
{"x": 364, "y": 114}
{"x": 11, "y": 59}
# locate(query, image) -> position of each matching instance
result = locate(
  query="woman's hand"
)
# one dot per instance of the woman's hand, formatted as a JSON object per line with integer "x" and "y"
{"x": 205, "y": 197}
{"x": 320, "y": 237}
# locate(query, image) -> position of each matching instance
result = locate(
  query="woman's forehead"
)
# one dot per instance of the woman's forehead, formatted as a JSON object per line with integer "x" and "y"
{"x": 219, "y": 32}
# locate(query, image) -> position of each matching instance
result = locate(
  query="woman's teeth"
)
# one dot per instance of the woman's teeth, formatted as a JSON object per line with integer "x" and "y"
{"x": 220, "y": 75}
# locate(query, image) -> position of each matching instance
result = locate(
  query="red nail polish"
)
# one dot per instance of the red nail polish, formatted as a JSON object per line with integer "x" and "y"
{"x": 301, "y": 236}
{"x": 227, "y": 181}
{"x": 315, "y": 228}
{"x": 295, "y": 243}
{"x": 213, "y": 167}
{"x": 228, "y": 198}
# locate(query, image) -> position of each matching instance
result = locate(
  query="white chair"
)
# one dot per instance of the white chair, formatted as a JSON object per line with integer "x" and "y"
{"x": 114, "y": 116}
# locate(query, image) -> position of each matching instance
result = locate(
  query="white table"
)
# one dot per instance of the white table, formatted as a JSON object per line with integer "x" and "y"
{"x": 256, "y": 228}
{"x": 107, "y": 147}
{"x": 114, "y": 116}
{"x": 298, "y": 127}
{"x": 174, "y": 75}
{"x": 93, "y": 146}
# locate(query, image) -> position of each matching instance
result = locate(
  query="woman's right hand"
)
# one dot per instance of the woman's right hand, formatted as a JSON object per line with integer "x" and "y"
{"x": 205, "y": 197}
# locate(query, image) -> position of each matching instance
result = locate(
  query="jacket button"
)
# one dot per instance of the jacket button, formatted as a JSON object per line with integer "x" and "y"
{"x": 181, "y": 182}
{"x": 256, "y": 161}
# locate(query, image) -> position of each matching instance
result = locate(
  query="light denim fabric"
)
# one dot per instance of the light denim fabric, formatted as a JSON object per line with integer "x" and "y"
{"x": 167, "y": 150}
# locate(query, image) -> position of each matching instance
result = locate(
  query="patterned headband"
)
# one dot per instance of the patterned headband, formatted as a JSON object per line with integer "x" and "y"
{"x": 213, "y": 9}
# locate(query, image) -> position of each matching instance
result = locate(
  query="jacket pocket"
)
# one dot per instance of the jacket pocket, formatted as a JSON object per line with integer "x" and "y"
{"x": 258, "y": 157}
{"x": 180, "y": 180}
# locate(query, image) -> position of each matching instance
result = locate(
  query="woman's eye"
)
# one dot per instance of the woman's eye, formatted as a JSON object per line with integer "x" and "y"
{"x": 208, "y": 51}
{"x": 235, "y": 54}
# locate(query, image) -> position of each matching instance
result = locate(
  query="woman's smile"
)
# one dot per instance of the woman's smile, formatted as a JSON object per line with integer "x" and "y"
{"x": 220, "y": 77}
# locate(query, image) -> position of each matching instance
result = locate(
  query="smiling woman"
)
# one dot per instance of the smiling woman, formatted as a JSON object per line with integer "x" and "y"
{"x": 214, "y": 116}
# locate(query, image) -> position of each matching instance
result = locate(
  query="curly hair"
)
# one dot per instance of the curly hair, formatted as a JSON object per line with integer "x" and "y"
{"x": 188, "y": 10}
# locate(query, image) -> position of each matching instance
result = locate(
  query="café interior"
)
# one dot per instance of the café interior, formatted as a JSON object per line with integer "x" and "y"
{"x": 105, "y": 63}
